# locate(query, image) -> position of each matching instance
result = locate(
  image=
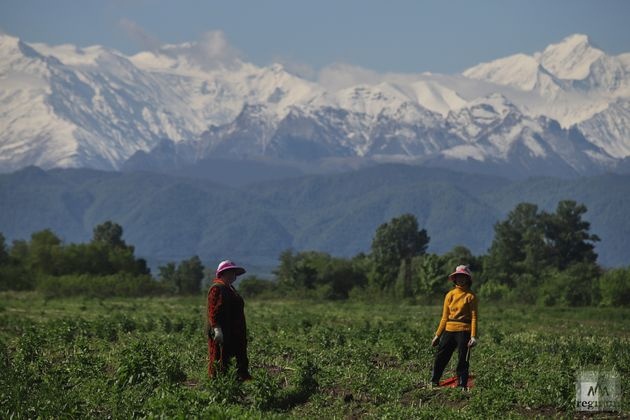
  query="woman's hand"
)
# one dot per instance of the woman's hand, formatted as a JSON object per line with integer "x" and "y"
{"x": 218, "y": 335}
{"x": 435, "y": 341}
{"x": 472, "y": 342}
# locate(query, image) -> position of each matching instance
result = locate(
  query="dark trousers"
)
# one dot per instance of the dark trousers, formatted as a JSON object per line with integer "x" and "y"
{"x": 221, "y": 355}
{"x": 448, "y": 343}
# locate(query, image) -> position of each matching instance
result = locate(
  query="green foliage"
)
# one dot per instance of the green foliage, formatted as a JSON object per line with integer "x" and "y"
{"x": 578, "y": 285}
{"x": 317, "y": 274}
{"x": 144, "y": 357}
{"x": 252, "y": 286}
{"x": 395, "y": 242}
{"x": 545, "y": 257}
{"x": 535, "y": 257}
{"x": 493, "y": 291}
{"x": 614, "y": 286}
{"x": 568, "y": 240}
{"x": 109, "y": 234}
{"x": 47, "y": 263}
{"x": 518, "y": 245}
{"x": 44, "y": 253}
{"x": 460, "y": 255}
{"x": 123, "y": 284}
{"x": 432, "y": 276}
{"x": 16, "y": 277}
{"x": 184, "y": 278}
{"x": 4, "y": 255}
{"x": 145, "y": 364}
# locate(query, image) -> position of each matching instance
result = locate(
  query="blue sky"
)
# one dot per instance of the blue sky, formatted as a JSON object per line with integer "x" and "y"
{"x": 445, "y": 36}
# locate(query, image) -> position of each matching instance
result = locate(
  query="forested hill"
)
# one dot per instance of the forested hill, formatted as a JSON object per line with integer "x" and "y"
{"x": 171, "y": 218}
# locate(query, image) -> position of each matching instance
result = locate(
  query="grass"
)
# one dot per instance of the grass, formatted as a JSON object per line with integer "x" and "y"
{"x": 147, "y": 357}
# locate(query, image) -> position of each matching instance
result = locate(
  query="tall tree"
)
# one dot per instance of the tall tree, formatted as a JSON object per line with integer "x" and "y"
{"x": 568, "y": 237}
{"x": 190, "y": 274}
{"x": 460, "y": 255}
{"x": 168, "y": 275}
{"x": 109, "y": 233}
{"x": 518, "y": 246}
{"x": 45, "y": 252}
{"x": 432, "y": 276}
{"x": 299, "y": 270}
{"x": 184, "y": 278}
{"x": 4, "y": 254}
{"x": 395, "y": 242}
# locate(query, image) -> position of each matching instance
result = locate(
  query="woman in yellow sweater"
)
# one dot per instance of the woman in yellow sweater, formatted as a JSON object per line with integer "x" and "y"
{"x": 458, "y": 327}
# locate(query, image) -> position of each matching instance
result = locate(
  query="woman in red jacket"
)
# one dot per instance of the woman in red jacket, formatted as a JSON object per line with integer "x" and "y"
{"x": 227, "y": 332}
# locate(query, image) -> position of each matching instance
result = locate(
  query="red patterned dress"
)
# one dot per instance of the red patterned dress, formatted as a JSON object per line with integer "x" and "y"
{"x": 226, "y": 310}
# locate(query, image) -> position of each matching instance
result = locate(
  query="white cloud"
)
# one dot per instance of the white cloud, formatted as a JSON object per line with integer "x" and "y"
{"x": 340, "y": 76}
{"x": 213, "y": 50}
{"x": 297, "y": 68}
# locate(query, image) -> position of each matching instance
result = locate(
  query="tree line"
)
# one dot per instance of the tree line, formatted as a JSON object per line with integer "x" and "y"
{"x": 105, "y": 266}
{"x": 535, "y": 257}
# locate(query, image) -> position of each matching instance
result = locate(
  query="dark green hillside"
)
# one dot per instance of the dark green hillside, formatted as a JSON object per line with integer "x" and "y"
{"x": 172, "y": 218}
{"x": 339, "y": 213}
{"x": 607, "y": 198}
{"x": 33, "y": 200}
{"x": 166, "y": 218}
{"x": 347, "y": 225}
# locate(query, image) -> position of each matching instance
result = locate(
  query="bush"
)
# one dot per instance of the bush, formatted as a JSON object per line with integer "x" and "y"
{"x": 147, "y": 363}
{"x": 614, "y": 286}
{"x": 575, "y": 286}
{"x": 16, "y": 277}
{"x": 493, "y": 291}
{"x": 253, "y": 286}
{"x": 98, "y": 286}
{"x": 525, "y": 289}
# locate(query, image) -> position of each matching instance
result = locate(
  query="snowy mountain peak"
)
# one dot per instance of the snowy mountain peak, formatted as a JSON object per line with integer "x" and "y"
{"x": 571, "y": 58}
{"x": 95, "y": 107}
{"x": 519, "y": 70}
{"x": 72, "y": 55}
{"x": 8, "y": 43}
{"x": 436, "y": 97}
{"x": 11, "y": 48}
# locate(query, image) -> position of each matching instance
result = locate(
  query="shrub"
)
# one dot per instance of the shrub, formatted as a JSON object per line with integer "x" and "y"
{"x": 146, "y": 362}
{"x": 493, "y": 291}
{"x": 253, "y": 286}
{"x": 98, "y": 286}
{"x": 614, "y": 286}
{"x": 16, "y": 277}
{"x": 575, "y": 286}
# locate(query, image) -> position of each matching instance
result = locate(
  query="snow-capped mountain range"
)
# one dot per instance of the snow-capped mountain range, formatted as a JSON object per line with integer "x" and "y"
{"x": 563, "y": 111}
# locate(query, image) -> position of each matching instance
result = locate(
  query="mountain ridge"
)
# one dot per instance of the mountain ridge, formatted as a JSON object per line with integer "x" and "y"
{"x": 96, "y": 108}
{"x": 169, "y": 218}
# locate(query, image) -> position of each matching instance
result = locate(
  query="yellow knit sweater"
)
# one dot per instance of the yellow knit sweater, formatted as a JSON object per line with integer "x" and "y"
{"x": 460, "y": 312}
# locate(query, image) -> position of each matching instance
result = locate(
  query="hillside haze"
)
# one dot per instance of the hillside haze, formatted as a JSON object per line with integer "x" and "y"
{"x": 172, "y": 218}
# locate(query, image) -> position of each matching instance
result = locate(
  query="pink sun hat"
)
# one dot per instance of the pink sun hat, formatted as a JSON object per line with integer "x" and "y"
{"x": 461, "y": 269}
{"x": 229, "y": 265}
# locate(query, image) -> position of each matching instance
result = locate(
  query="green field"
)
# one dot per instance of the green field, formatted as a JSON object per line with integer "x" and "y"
{"x": 73, "y": 358}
